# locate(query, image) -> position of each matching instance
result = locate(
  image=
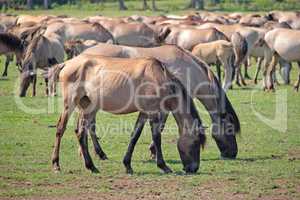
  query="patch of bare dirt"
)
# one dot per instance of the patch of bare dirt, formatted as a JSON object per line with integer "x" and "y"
{"x": 294, "y": 154}
{"x": 217, "y": 190}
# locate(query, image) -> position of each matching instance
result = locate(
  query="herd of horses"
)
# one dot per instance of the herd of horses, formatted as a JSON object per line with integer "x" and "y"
{"x": 152, "y": 65}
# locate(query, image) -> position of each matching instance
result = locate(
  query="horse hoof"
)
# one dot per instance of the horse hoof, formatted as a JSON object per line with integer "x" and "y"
{"x": 129, "y": 171}
{"x": 94, "y": 170}
{"x": 166, "y": 170}
{"x": 103, "y": 157}
{"x": 56, "y": 169}
{"x": 227, "y": 158}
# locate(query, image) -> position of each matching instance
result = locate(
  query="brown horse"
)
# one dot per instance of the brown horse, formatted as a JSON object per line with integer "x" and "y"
{"x": 121, "y": 86}
{"x": 10, "y": 44}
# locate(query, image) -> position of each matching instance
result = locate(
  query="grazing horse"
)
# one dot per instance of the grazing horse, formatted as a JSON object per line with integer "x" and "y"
{"x": 42, "y": 52}
{"x": 75, "y": 47}
{"x": 285, "y": 44}
{"x": 121, "y": 86}
{"x": 10, "y": 44}
{"x": 198, "y": 80}
{"x": 218, "y": 52}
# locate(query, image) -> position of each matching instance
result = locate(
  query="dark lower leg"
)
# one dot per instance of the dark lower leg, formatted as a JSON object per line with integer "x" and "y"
{"x": 152, "y": 146}
{"x": 218, "y": 66}
{"x": 296, "y": 85}
{"x": 258, "y": 69}
{"x": 156, "y": 123}
{"x": 237, "y": 78}
{"x": 97, "y": 147}
{"x": 47, "y": 87}
{"x": 82, "y": 138}
{"x": 246, "y": 75}
{"x": 33, "y": 85}
{"x": 139, "y": 125}
{"x": 6, "y": 67}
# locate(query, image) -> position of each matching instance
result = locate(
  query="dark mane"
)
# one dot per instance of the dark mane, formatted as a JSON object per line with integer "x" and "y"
{"x": 11, "y": 41}
{"x": 33, "y": 44}
{"x": 226, "y": 108}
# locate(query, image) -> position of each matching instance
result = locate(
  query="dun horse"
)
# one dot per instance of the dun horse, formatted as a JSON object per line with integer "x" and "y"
{"x": 120, "y": 86}
{"x": 218, "y": 52}
{"x": 10, "y": 44}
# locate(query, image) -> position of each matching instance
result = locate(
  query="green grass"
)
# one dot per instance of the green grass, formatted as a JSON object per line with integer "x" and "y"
{"x": 268, "y": 162}
{"x": 110, "y": 8}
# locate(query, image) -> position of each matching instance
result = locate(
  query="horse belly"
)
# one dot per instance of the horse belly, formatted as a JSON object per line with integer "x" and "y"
{"x": 288, "y": 50}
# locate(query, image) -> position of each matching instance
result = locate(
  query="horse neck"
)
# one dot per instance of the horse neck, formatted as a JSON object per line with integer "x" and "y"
{"x": 186, "y": 116}
{"x": 209, "y": 95}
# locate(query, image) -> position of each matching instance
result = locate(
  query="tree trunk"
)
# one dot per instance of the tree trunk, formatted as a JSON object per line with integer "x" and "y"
{"x": 47, "y": 4}
{"x": 196, "y": 4}
{"x": 200, "y": 4}
{"x": 154, "y": 5}
{"x": 29, "y": 4}
{"x": 122, "y": 5}
{"x": 145, "y": 5}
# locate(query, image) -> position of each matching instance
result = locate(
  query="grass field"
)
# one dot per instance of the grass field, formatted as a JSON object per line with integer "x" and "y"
{"x": 267, "y": 167}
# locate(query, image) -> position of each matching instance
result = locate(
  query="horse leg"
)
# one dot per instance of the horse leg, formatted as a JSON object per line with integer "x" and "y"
{"x": 258, "y": 69}
{"x": 47, "y": 87}
{"x": 60, "y": 129}
{"x": 285, "y": 70}
{"x": 152, "y": 146}
{"x": 139, "y": 125}
{"x": 156, "y": 122}
{"x": 33, "y": 85}
{"x": 269, "y": 73}
{"x": 242, "y": 79}
{"x": 228, "y": 71}
{"x": 246, "y": 65}
{"x": 218, "y": 66}
{"x": 237, "y": 79}
{"x": 6, "y": 66}
{"x": 84, "y": 124}
{"x": 296, "y": 85}
{"x": 97, "y": 148}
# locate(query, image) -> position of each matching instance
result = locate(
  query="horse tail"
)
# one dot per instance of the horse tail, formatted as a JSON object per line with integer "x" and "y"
{"x": 240, "y": 48}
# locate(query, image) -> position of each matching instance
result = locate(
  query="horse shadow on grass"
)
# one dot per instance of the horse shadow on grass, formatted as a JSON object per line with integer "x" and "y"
{"x": 248, "y": 159}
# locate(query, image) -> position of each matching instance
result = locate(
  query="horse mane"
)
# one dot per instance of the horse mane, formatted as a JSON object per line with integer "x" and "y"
{"x": 226, "y": 104}
{"x": 33, "y": 44}
{"x": 11, "y": 41}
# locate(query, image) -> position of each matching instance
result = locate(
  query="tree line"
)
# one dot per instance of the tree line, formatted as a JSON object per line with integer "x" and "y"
{"x": 46, "y": 4}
